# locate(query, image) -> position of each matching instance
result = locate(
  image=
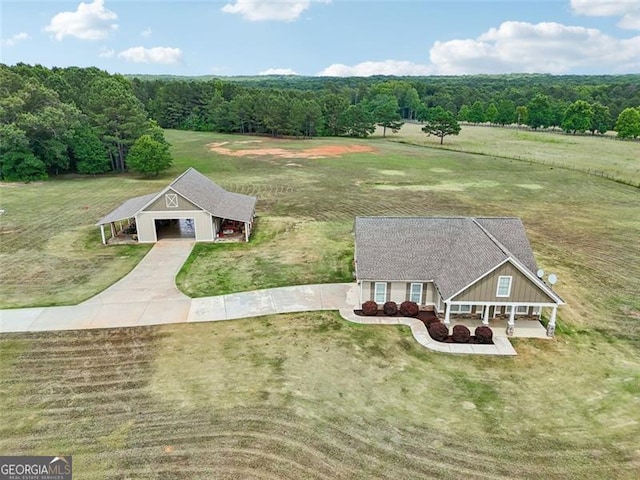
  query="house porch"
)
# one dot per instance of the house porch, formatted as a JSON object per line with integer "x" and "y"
{"x": 525, "y": 327}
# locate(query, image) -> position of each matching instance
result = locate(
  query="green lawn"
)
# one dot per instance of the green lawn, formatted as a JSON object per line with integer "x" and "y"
{"x": 607, "y": 156}
{"x": 310, "y": 395}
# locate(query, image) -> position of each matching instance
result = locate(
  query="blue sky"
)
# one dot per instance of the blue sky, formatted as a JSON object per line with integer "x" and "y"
{"x": 322, "y": 37}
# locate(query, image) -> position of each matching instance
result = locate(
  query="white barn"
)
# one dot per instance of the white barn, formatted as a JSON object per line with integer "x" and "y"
{"x": 210, "y": 210}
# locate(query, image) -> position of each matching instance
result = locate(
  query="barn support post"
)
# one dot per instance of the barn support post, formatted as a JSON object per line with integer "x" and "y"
{"x": 113, "y": 229}
{"x": 104, "y": 240}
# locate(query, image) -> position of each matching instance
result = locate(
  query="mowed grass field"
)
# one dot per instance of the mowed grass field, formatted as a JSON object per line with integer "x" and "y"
{"x": 615, "y": 158}
{"x": 310, "y": 395}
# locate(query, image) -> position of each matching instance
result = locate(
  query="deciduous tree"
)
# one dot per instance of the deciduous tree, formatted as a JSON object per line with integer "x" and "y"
{"x": 600, "y": 120}
{"x": 628, "y": 123}
{"x": 506, "y": 112}
{"x": 539, "y": 112}
{"x": 148, "y": 156}
{"x": 491, "y": 115}
{"x": 577, "y": 117}
{"x": 476, "y": 113}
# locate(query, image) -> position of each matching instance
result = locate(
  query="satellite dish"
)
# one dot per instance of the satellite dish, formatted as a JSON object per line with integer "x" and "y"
{"x": 540, "y": 273}
{"x": 553, "y": 279}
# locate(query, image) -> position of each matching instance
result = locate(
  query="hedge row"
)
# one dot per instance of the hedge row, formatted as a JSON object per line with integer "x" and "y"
{"x": 460, "y": 334}
{"x": 406, "y": 309}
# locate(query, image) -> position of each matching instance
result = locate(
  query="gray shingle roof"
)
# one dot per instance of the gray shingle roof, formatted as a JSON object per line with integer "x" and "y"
{"x": 128, "y": 209}
{"x": 451, "y": 252}
{"x": 201, "y": 191}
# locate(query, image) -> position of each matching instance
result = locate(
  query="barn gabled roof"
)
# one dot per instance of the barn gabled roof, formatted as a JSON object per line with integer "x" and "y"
{"x": 209, "y": 196}
{"x": 451, "y": 252}
{"x": 199, "y": 190}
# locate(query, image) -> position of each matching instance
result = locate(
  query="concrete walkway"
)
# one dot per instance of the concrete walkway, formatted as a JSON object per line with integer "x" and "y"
{"x": 148, "y": 296}
{"x": 501, "y": 344}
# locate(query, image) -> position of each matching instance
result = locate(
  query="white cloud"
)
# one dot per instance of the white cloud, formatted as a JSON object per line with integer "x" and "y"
{"x": 146, "y": 32}
{"x": 257, "y": 11}
{"x": 278, "y": 71}
{"x": 91, "y": 21}
{"x": 11, "y": 41}
{"x": 543, "y": 47}
{"x": 367, "y": 69}
{"x": 514, "y": 47}
{"x": 629, "y": 10}
{"x": 166, "y": 55}
{"x": 106, "y": 52}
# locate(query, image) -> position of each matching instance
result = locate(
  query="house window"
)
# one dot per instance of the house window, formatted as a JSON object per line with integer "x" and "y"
{"x": 460, "y": 308}
{"x": 415, "y": 293}
{"x": 504, "y": 286}
{"x": 520, "y": 309}
{"x": 171, "y": 200}
{"x": 380, "y": 292}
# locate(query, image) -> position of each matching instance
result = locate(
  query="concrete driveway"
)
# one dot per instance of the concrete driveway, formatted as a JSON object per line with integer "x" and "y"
{"x": 148, "y": 296}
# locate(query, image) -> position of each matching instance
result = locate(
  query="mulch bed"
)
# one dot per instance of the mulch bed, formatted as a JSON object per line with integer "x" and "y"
{"x": 426, "y": 317}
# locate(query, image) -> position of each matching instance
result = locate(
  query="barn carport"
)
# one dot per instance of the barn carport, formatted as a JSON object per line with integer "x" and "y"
{"x": 192, "y": 206}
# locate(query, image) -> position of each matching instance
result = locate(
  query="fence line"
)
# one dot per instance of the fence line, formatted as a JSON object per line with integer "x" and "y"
{"x": 556, "y": 130}
{"x": 588, "y": 171}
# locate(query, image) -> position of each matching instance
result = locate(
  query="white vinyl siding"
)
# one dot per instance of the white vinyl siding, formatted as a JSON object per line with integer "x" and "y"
{"x": 504, "y": 286}
{"x": 460, "y": 308}
{"x": 415, "y": 294}
{"x": 380, "y": 292}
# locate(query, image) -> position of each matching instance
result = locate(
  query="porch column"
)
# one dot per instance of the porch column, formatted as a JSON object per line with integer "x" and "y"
{"x": 104, "y": 240}
{"x": 113, "y": 229}
{"x": 447, "y": 314}
{"x": 512, "y": 321}
{"x": 551, "y": 328}
{"x": 485, "y": 315}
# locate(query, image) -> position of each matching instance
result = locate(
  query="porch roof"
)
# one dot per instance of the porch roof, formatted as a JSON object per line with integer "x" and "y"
{"x": 128, "y": 209}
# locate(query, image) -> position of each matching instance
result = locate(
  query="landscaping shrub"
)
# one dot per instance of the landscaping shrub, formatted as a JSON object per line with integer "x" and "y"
{"x": 390, "y": 308}
{"x": 370, "y": 308}
{"x": 484, "y": 334}
{"x": 461, "y": 334}
{"x": 409, "y": 309}
{"x": 428, "y": 321}
{"x": 438, "y": 331}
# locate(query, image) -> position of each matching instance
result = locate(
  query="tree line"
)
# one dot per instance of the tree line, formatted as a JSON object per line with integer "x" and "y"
{"x": 88, "y": 121}
{"x": 71, "y": 120}
{"x": 304, "y": 106}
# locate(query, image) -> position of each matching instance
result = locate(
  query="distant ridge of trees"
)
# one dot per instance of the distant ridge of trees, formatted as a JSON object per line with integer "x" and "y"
{"x": 254, "y": 104}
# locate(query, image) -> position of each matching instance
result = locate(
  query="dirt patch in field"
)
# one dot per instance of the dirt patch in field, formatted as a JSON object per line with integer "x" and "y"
{"x": 312, "y": 153}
